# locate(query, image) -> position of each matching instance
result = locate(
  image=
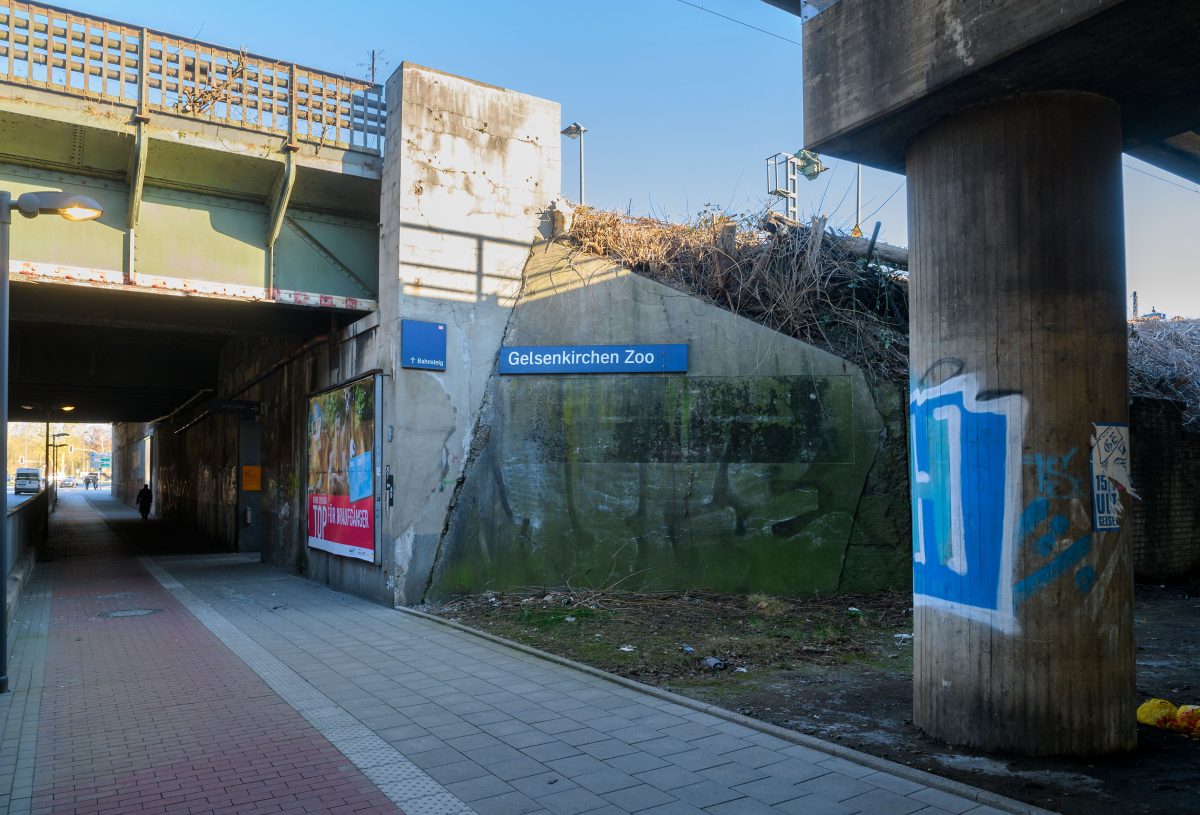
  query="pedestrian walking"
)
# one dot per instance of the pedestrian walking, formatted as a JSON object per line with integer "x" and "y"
{"x": 144, "y": 499}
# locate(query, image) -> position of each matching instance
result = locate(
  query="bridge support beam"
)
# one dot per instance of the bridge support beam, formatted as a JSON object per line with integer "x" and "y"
{"x": 1023, "y": 604}
{"x": 281, "y": 196}
{"x": 135, "y": 176}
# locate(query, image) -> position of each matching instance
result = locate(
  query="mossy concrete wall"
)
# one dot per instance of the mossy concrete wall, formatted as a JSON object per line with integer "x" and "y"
{"x": 770, "y": 466}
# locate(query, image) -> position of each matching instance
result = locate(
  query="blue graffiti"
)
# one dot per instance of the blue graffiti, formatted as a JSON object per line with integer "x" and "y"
{"x": 1037, "y": 512}
{"x": 1054, "y": 478}
{"x": 1061, "y": 563}
{"x": 1054, "y": 482}
{"x": 965, "y": 485}
{"x": 1085, "y": 579}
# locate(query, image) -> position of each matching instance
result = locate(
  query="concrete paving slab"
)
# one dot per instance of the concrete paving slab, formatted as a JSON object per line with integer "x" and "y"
{"x": 431, "y": 718}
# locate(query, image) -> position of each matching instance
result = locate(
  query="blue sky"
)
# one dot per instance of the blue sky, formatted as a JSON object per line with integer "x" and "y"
{"x": 682, "y": 105}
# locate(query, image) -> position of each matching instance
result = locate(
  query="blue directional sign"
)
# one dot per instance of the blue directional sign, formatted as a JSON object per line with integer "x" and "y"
{"x": 593, "y": 359}
{"x": 422, "y": 345}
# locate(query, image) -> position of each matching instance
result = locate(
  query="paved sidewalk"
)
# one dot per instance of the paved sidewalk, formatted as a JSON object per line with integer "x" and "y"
{"x": 247, "y": 689}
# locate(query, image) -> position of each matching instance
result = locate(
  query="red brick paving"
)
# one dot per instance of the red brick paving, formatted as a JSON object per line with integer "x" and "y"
{"x": 153, "y": 714}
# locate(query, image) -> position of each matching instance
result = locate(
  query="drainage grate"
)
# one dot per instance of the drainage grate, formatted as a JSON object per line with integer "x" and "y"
{"x": 129, "y": 612}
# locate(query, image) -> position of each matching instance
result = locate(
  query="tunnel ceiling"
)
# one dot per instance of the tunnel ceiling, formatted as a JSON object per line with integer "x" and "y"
{"x": 122, "y": 356}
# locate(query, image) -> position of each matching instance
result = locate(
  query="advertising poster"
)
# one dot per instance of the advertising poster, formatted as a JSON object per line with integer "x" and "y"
{"x": 341, "y": 483}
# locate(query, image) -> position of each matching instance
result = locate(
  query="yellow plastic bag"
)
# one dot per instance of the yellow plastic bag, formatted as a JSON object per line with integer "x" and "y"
{"x": 1187, "y": 720}
{"x": 1156, "y": 712}
{"x": 1161, "y": 713}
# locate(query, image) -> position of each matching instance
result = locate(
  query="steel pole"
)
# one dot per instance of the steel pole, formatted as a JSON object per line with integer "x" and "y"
{"x": 5, "y": 223}
{"x": 581, "y": 198}
{"x": 858, "y": 200}
{"x": 46, "y": 514}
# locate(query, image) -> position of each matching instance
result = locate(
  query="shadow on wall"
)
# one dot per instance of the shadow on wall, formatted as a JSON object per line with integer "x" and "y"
{"x": 462, "y": 276}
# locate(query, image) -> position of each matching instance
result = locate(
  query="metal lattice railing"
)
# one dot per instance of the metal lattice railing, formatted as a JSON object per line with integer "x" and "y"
{"x": 95, "y": 58}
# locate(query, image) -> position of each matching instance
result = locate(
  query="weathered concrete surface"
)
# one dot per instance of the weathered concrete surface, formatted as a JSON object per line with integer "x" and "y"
{"x": 745, "y": 474}
{"x": 343, "y": 357}
{"x": 470, "y": 170}
{"x": 876, "y": 74}
{"x": 1023, "y": 620}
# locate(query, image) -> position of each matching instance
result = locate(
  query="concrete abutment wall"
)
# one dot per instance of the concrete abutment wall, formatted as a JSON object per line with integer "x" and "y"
{"x": 746, "y": 474}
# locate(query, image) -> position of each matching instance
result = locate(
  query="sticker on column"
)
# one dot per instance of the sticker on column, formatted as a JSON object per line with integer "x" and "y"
{"x": 1110, "y": 475}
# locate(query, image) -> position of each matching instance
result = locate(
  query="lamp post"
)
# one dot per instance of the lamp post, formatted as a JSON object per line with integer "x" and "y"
{"x": 30, "y": 204}
{"x": 56, "y": 445}
{"x": 575, "y": 131}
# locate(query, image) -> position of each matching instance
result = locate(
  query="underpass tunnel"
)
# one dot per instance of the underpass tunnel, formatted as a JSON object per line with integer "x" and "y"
{"x": 193, "y": 387}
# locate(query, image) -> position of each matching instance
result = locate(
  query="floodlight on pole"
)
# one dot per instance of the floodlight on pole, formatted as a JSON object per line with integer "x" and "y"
{"x": 575, "y": 131}
{"x": 73, "y": 207}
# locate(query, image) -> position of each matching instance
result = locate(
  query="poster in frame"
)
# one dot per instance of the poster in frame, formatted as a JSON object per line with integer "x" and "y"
{"x": 343, "y": 469}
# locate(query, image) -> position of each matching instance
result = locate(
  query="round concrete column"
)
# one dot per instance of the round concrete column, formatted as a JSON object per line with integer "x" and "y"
{"x": 1022, "y": 588}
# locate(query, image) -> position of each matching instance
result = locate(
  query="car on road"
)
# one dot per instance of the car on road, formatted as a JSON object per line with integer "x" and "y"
{"x": 68, "y": 481}
{"x": 28, "y": 480}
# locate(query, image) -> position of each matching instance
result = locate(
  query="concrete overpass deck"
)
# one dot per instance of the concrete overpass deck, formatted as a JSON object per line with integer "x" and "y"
{"x": 879, "y": 73}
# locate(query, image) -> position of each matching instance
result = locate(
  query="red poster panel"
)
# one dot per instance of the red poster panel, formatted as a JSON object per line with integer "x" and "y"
{"x": 337, "y": 524}
{"x": 341, "y": 483}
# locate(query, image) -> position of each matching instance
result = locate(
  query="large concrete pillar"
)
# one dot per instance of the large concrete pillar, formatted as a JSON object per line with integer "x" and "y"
{"x": 1022, "y": 590}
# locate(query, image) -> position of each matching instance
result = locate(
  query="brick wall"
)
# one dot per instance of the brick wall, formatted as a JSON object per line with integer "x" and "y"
{"x": 1166, "y": 472}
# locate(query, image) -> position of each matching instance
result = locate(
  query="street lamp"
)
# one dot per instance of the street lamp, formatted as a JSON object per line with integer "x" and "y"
{"x": 56, "y": 445}
{"x": 575, "y": 131}
{"x": 73, "y": 207}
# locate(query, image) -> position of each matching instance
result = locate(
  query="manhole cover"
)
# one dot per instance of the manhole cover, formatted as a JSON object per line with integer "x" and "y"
{"x": 130, "y": 612}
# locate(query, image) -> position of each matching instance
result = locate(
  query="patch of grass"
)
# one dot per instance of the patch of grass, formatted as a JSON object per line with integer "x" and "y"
{"x": 543, "y": 619}
{"x": 761, "y": 633}
{"x": 767, "y": 605}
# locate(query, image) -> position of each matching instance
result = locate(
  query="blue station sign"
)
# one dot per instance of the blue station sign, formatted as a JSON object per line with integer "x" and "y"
{"x": 593, "y": 359}
{"x": 422, "y": 345}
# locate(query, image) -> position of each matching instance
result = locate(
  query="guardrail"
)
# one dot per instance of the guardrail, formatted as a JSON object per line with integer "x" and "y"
{"x": 100, "y": 59}
{"x": 25, "y": 526}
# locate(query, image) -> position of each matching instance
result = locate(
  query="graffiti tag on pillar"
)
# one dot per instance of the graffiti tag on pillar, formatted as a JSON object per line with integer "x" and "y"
{"x": 1110, "y": 475}
{"x": 1046, "y": 528}
{"x": 1053, "y": 475}
{"x": 966, "y": 492}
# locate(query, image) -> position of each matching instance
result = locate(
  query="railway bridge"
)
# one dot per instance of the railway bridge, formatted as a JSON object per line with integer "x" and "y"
{"x": 268, "y": 229}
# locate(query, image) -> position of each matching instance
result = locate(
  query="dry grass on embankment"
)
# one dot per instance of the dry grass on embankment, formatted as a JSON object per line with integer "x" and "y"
{"x": 801, "y": 281}
{"x": 809, "y": 282}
